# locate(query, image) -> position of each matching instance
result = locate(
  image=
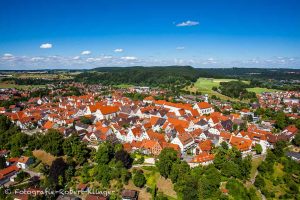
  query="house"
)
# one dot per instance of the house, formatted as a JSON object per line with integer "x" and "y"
{"x": 151, "y": 147}
{"x": 242, "y": 144}
{"x": 290, "y": 131}
{"x": 96, "y": 197}
{"x": 202, "y": 159}
{"x": 203, "y": 146}
{"x": 294, "y": 155}
{"x": 129, "y": 195}
{"x": 136, "y": 133}
{"x": 6, "y": 173}
{"x": 184, "y": 141}
{"x": 24, "y": 162}
{"x": 101, "y": 111}
{"x": 204, "y": 108}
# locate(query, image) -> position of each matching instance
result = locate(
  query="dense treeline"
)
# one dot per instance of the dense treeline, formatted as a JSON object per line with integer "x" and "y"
{"x": 250, "y": 73}
{"x": 148, "y": 76}
{"x": 236, "y": 89}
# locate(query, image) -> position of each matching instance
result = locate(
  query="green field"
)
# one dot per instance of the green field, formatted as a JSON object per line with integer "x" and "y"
{"x": 124, "y": 86}
{"x": 205, "y": 85}
{"x": 259, "y": 90}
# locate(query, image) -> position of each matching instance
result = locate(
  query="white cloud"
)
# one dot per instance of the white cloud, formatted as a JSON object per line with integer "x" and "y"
{"x": 129, "y": 58}
{"x": 76, "y": 58}
{"x": 188, "y": 23}
{"x": 7, "y": 55}
{"x": 180, "y": 48}
{"x": 36, "y": 59}
{"x": 46, "y": 46}
{"x": 118, "y": 50}
{"x": 86, "y": 52}
{"x": 107, "y": 57}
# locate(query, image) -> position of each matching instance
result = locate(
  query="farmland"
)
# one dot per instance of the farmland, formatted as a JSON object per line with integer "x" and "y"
{"x": 259, "y": 90}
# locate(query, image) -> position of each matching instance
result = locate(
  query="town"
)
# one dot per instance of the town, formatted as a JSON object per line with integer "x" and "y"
{"x": 149, "y": 100}
{"x": 143, "y": 128}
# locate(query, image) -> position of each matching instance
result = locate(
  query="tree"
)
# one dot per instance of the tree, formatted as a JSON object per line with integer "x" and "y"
{"x": 179, "y": 169}
{"x": 85, "y": 120}
{"x": 166, "y": 159}
{"x": 281, "y": 122}
{"x": 103, "y": 174}
{"x": 230, "y": 169}
{"x": 16, "y": 151}
{"x": 21, "y": 176}
{"x": 258, "y": 148}
{"x": 209, "y": 183}
{"x": 72, "y": 146}
{"x": 5, "y": 123}
{"x": 105, "y": 153}
{"x": 220, "y": 159}
{"x": 237, "y": 189}
{"x": 57, "y": 171}
{"x": 279, "y": 148}
{"x": 124, "y": 157}
{"x": 2, "y": 162}
{"x": 139, "y": 179}
{"x": 259, "y": 182}
{"x": 224, "y": 145}
{"x": 52, "y": 142}
{"x": 296, "y": 140}
{"x": 245, "y": 167}
{"x": 186, "y": 187}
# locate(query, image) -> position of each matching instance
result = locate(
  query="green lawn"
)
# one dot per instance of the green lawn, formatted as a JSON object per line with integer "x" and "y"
{"x": 259, "y": 90}
{"x": 255, "y": 163}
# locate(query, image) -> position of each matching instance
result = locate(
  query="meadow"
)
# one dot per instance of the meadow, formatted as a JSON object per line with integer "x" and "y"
{"x": 205, "y": 85}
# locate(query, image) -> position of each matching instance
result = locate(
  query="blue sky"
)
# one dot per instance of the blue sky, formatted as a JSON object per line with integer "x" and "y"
{"x": 37, "y": 34}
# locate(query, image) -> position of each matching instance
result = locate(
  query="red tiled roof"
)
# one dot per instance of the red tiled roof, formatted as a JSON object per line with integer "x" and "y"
{"x": 8, "y": 170}
{"x": 204, "y": 105}
{"x": 205, "y": 145}
{"x": 203, "y": 157}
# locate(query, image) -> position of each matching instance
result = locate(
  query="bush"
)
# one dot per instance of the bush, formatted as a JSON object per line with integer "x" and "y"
{"x": 139, "y": 179}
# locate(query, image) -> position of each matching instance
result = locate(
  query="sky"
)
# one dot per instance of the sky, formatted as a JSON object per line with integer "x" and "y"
{"x": 83, "y": 34}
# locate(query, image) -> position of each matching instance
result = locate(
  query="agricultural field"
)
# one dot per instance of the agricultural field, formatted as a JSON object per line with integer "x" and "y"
{"x": 124, "y": 86}
{"x": 60, "y": 76}
{"x": 259, "y": 90}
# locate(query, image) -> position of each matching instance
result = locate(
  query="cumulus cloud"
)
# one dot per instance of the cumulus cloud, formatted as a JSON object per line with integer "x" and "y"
{"x": 46, "y": 46}
{"x": 180, "y": 48}
{"x": 87, "y": 52}
{"x": 129, "y": 58}
{"x": 118, "y": 50}
{"x": 188, "y": 23}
